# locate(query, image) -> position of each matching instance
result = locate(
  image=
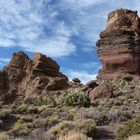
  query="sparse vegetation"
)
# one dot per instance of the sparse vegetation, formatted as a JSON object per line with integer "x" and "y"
{"x": 128, "y": 78}
{"x": 71, "y": 110}
{"x": 4, "y": 136}
{"x": 87, "y": 127}
{"x": 73, "y": 135}
{"x": 5, "y": 113}
{"x": 78, "y": 99}
{"x": 135, "y": 137}
{"x": 131, "y": 128}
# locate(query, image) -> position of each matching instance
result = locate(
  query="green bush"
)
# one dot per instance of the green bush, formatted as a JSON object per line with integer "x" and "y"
{"x": 131, "y": 128}
{"x": 128, "y": 78}
{"x": 78, "y": 99}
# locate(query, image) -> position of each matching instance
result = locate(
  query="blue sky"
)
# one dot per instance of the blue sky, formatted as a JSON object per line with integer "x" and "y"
{"x": 65, "y": 30}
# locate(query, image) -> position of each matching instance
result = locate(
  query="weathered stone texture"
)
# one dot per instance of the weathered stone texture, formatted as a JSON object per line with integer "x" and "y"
{"x": 119, "y": 45}
{"x": 24, "y": 77}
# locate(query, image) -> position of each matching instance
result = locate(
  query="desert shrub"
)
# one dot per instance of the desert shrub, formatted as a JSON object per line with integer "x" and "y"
{"x": 4, "y": 136}
{"x": 70, "y": 117}
{"x": 54, "y": 119}
{"x": 62, "y": 127}
{"x": 5, "y": 113}
{"x": 50, "y": 100}
{"x": 87, "y": 127}
{"x": 128, "y": 78}
{"x": 46, "y": 122}
{"x": 119, "y": 116}
{"x": 40, "y": 123}
{"x": 35, "y": 101}
{"x": 41, "y": 108}
{"x": 132, "y": 127}
{"x": 73, "y": 135}
{"x": 24, "y": 119}
{"x": 21, "y": 107}
{"x": 32, "y": 109}
{"x": 78, "y": 99}
{"x": 23, "y": 126}
{"x": 38, "y": 134}
{"x": 135, "y": 137}
{"x": 53, "y": 101}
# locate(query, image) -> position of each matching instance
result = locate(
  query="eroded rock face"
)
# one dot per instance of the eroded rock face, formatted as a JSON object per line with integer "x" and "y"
{"x": 3, "y": 86}
{"x": 119, "y": 45}
{"x": 24, "y": 77}
{"x": 104, "y": 90}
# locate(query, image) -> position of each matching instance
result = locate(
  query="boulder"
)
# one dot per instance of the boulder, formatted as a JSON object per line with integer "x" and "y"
{"x": 76, "y": 80}
{"x": 57, "y": 84}
{"x": 119, "y": 45}
{"x": 92, "y": 84}
{"x": 104, "y": 90}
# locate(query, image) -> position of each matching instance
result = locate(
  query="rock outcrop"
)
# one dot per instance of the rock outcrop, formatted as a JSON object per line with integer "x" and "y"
{"x": 104, "y": 90}
{"x": 24, "y": 77}
{"x": 119, "y": 45}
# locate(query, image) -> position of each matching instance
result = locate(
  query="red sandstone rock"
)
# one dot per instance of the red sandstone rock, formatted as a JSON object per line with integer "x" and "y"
{"x": 24, "y": 77}
{"x": 57, "y": 84}
{"x": 92, "y": 84}
{"x": 104, "y": 90}
{"x": 119, "y": 45}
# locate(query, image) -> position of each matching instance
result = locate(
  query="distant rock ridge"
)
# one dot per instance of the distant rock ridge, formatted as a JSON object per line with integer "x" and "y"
{"x": 119, "y": 45}
{"x": 24, "y": 77}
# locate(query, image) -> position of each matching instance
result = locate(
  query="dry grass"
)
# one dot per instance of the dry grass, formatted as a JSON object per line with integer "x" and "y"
{"x": 4, "y": 136}
{"x": 135, "y": 137}
{"x": 72, "y": 135}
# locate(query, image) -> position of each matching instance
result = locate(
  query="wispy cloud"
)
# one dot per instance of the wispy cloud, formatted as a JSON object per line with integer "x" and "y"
{"x": 47, "y": 26}
{"x": 32, "y": 25}
{"x": 57, "y": 27}
{"x": 4, "y": 60}
{"x": 84, "y": 76}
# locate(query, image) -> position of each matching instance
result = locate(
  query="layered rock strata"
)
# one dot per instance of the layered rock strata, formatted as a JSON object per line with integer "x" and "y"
{"x": 24, "y": 77}
{"x": 119, "y": 45}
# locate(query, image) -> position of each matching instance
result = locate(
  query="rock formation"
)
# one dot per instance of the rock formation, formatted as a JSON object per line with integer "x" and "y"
{"x": 24, "y": 77}
{"x": 119, "y": 45}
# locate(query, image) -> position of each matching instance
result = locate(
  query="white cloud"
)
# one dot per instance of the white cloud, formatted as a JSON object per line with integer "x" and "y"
{"x": 89, "y": 17}
{"x": 4, "y": 60}
{"x": 82, "y": 3}
{"x": 27, "y": 24}
{"x": 48, "y": 28}
{"x": 84, "y": 76}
